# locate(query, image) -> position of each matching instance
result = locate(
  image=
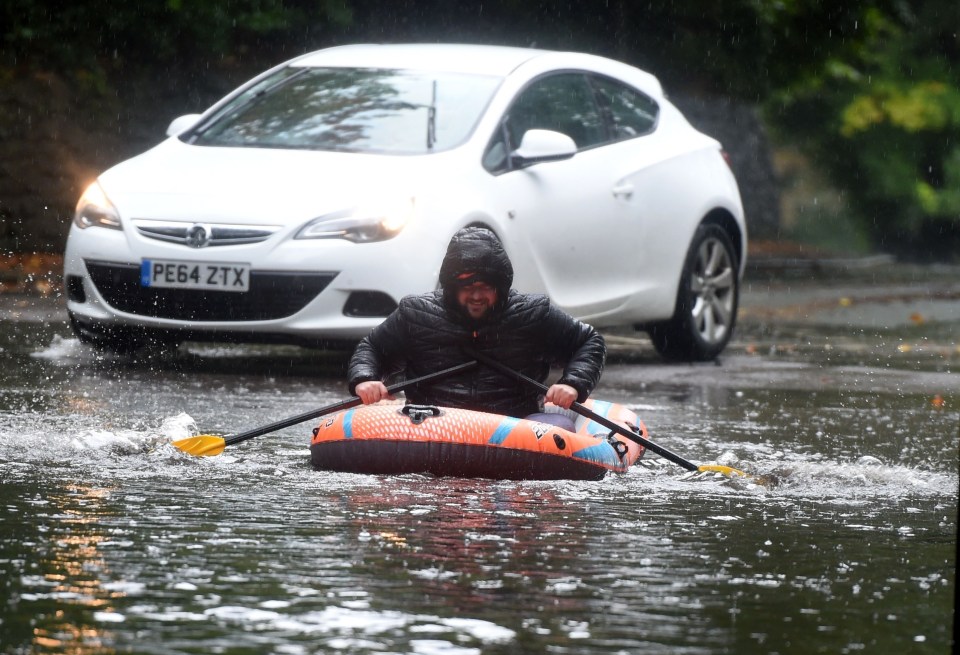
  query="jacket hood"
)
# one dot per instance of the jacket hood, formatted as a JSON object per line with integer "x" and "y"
{"x": 475, "y": 254}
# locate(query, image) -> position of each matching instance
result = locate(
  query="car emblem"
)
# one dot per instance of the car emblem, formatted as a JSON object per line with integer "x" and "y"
{"x": 198, "y": 236}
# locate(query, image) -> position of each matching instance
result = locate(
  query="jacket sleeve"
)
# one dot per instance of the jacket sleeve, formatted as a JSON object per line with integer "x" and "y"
{"x": 377, "y": 354}
{"x": 580, "y": 349}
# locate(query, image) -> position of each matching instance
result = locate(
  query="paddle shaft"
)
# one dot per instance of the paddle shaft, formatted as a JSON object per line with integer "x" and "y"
{"x": 343, "y": 404}
{"x": 593, "y": 416}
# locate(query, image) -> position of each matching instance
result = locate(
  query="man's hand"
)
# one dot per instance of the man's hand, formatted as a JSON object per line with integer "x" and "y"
{"x": 562, "y": 395}
{"x": 372, "y": 391}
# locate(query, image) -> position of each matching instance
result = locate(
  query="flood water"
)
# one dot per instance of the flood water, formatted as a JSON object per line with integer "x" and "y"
{"x": 113, "y": 541}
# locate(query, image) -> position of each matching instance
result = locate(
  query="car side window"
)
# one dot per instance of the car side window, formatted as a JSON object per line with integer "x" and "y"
{"x": 630, "y": 112}
{"x": 562, "y": 103}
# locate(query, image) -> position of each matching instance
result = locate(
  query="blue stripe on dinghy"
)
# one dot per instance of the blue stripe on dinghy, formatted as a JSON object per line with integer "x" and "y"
{"x": 506, "y": 425}
{"x": 348, "y": 424}
{"x": 601, "y": 453}
{"x": 601, "y": 407}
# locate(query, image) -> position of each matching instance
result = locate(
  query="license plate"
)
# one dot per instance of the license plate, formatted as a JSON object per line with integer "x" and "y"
{"x": 169, "y": 274}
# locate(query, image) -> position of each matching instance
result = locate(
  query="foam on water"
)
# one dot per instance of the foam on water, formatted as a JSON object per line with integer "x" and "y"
{"x": 237, "y": 351}
{"x": 42, "y": 438}
{"x": 864, "y": 477}
{"x": 109, "y": 617}
{"x": 343, "y": 622}
{"x": 791, "y": 475}
{"x": 67, "y": 351}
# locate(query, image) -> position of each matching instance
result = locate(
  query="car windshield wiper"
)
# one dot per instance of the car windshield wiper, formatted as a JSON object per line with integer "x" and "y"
{"x": 431, "y": 114}
{"x": 432, "y": 119}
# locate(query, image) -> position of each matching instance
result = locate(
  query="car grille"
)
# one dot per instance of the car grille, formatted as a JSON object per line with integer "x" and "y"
{"x": 272, "y": 295}
{"x": 213, "y": 234}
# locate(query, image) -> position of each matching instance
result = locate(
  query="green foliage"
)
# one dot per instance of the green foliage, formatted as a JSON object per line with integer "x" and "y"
{"x": 884, "y": 122}
{"x": 102, "y": 35}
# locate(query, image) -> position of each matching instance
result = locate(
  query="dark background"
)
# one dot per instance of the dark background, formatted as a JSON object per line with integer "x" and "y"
{"x": 843, "y": 122}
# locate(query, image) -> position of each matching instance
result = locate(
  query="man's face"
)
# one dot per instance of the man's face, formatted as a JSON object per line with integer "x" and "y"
{"x": 477, "y": 299}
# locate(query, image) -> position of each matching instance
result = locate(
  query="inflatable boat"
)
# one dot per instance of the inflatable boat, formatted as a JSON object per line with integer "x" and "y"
{"x": 392, "y": 439}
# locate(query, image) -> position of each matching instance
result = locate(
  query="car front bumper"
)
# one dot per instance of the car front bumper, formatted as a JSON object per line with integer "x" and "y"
{"x": 299, "y": 290}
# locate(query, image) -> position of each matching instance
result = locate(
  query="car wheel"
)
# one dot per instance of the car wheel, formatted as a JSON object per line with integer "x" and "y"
{"x": 706, "y": 308}
{"x": 111, "y": 338}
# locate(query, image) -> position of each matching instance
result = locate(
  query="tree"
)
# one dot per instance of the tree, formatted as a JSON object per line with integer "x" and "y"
{"x": 884, "y": 121}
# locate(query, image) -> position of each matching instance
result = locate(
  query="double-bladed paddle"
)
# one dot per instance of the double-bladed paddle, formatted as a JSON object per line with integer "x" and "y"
{"x": 607, "y": 423}
{"x": 207, "y": 445}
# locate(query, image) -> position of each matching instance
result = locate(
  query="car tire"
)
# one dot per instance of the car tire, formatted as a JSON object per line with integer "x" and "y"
{"x": 114, "y": 339}
{"x": 707, "y": 300}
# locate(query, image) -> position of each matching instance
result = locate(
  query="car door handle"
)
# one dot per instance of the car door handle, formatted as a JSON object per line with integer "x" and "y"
{"x": 623, "y": 190}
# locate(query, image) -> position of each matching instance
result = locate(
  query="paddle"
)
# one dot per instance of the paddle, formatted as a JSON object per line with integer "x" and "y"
{"x": 607, "y": 423}
{"x": 207, "y": 445}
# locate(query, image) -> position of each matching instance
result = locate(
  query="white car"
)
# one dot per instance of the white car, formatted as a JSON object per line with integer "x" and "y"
{"x": 305, "y": 204}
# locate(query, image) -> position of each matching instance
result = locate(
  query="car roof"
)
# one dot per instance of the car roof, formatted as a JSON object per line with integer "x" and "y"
{"x": 493, "y": 60}
{"x": 463, "y": 58}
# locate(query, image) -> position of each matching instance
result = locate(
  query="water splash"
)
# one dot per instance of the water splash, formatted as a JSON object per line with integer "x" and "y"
{"x": 344, "y": 624}
{"x": 46, "y": 439}
{"x": 65, "y": 351}
{"x": 864, "y": 477}
{"x": 818, "y": 477}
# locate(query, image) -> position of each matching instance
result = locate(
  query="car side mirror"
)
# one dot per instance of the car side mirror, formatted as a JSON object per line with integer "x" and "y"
{"x": 182, "y": 124}
{"x": 539, "y": 146}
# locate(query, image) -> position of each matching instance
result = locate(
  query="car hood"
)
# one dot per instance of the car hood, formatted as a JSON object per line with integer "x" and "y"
{"x": 177, "y": 181}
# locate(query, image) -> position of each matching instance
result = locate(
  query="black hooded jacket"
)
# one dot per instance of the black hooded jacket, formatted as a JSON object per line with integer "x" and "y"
{"x": 429, "y": 332}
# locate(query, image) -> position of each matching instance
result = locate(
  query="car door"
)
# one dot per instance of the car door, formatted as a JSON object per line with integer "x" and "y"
{"x": 575, "y": 231}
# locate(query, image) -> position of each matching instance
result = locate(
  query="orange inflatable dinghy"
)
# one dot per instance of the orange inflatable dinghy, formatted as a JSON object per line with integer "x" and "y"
{"x": 397, "y": 439}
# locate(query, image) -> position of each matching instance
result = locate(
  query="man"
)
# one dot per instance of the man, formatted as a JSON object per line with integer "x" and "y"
{"x": 475, "y": 309}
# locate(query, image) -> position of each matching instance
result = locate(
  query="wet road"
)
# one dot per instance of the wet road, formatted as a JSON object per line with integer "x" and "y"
{"x": 844, "y": 390}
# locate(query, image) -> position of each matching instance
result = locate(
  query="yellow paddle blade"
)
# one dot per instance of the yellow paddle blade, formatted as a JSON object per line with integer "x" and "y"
{"x": 729, "y": 471}
{"x": 203, "y": 445}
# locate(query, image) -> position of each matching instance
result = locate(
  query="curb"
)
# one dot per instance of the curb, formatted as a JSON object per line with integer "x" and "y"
{"x": 768, "y": 264}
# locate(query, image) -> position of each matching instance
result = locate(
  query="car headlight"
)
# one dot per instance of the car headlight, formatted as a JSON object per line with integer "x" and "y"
{"x": 94, "y": 209}
{"x": 361, "y": 225}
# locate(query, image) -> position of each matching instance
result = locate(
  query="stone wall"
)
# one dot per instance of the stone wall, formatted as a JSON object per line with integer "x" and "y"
{"x": 47, "y": 152}
{"x": 57, "y": 136}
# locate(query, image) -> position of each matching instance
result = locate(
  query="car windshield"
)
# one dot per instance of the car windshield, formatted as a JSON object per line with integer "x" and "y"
{"x": 351, "y": 109}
